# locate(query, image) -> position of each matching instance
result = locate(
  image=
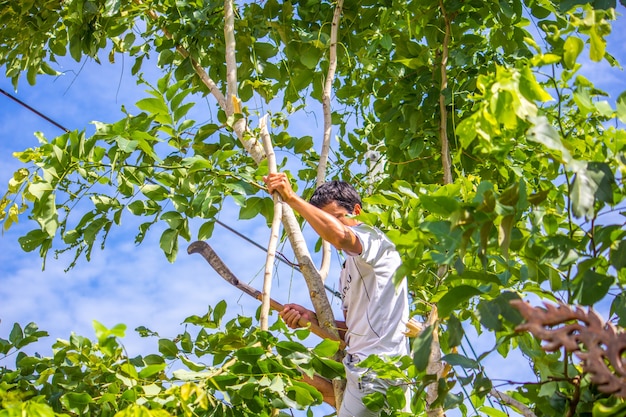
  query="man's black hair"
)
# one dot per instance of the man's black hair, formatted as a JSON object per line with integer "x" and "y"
{"x": 340, "y": 192}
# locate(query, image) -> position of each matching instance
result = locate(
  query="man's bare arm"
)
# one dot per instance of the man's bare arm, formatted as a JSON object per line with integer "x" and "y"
{"x": 327, "y": 226}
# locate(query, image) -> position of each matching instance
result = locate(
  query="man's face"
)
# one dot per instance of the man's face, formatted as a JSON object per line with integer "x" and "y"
{"x": 341, "y": 213}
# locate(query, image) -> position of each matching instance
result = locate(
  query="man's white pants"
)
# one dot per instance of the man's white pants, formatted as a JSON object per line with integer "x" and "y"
{"x": 359, "y": 383}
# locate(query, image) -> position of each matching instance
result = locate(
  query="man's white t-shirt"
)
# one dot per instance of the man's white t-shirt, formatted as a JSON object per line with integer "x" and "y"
{"x": 376, "y": 310}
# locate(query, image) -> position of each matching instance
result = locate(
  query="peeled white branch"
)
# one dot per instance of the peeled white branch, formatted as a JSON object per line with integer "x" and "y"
{"x": 328, "y": 123}
{"x": 275, "y": 229}
{"x": 435, "y": 366}
{"x": 510, "y": 401}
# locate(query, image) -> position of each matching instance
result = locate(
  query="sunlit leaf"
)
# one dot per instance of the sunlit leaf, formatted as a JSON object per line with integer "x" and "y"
{"x": 544, "y": 133}
{"x": 455, "y": 359}
{"x": 326, "y": 348}
{"x": 572, "y": 48}
{"x": 151, "y": 370}
{"x": 621, "y": 107}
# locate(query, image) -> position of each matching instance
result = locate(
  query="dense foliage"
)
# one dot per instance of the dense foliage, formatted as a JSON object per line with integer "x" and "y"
{"x": 533, "y": 204}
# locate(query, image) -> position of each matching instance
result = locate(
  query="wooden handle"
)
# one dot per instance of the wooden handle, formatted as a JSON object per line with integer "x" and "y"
{"x": 220, "y": 267}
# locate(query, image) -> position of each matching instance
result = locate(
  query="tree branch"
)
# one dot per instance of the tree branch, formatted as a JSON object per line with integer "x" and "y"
{"x": 231, "y": 61}
{"x": 275, "y": 229}
{"x": 328, "y": 122}
{"x": 443, "y": 112}
{"x": 435, "y": 366}
{"x": 240, "y": 126}
{"x": 510, "y": 401}
{"x": 254, "y": 148}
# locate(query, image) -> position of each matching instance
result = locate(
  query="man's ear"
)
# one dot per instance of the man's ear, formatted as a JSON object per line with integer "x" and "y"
{"x": 357, "y": 209}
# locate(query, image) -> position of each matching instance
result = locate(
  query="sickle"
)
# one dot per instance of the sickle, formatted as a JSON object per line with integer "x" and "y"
{"x": 220, "y": 267}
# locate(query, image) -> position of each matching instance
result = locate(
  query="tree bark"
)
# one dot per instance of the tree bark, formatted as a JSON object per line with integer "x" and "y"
{"x": 443, "y": 112}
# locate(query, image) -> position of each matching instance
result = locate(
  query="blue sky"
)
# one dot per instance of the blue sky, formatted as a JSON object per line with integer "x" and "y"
{"x": 125, "y": 283}
{"x": 136, "y": 285}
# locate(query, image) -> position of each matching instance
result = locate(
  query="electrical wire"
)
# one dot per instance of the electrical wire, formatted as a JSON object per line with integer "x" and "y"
{"x": 43, "y": 116}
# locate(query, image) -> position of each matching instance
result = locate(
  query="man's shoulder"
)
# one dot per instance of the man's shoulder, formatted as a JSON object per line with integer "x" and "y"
{"x": 372, "y": 231}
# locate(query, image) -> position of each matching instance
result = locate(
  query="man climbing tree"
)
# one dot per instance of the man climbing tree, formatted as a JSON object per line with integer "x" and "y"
{"x": 375, "y": 308}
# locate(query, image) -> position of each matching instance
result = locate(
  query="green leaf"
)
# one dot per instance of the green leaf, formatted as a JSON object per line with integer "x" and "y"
{"x": 455, "y": 298}
{"x": 618, "y": 307}
{"x": 374, "y": 401}
{"x": 38, "y": 189}
{"x": 34, "y": 409}
{"x": 608, "y": 408}
{"x": 169, "y": 243}
{"x": 154, "y": 192}
{"x": 137, "y": 207}
{"x": 151, "y": 370}
{"x": 16, "y": 334}
{"x": 193, "y": 366}
{"x": 326, "y": 348}
{"x": 531, "y": 89}
{"x": 129, "y": 370}
{"x": 5, "y": 346}
{"x": 250, "y": 354}
{"x": 173, "y": 219}
{"x": 168, "y": 348}
{"x": 33, "y": 240}
{"x": 153, "y": 105}
{"x": 186, "y": 343}
{"x": 421, "y": 348}
{"x": 455, "y": 359}
{"x": 303, "y": 144}
{"x": 572, "y": 48}
{"x": 593, "y": 181}
{"x": 490, "y": 315}
{"x": 482, "y": 385}
{"x": 597, "y": 44}
{"x": 248, "y": 391}
{"x": 396, "y": 397}
{"x": 481, "y": 276}
{"x": 544, "y": 133}
{"x": 206, "y": 230}
{"x": 219, "y": 311}
{"x": 621, "y": 107}
{"x": 304, "y": 394}
{"x": 617, "y": 255}
{"x": 287, "y": 347}
{"x": 439, "y": 204}
{"x": 76, "y": 402}
{"x": 253, "y": 207}
{"x": 328, "y": 368}
{"x": 455, "y": 331}
{"x": 583, "y": 194}
{"x": 492, "y": 412}
{"x": 593, "y": 287}
{"x": 102, "y": 332}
